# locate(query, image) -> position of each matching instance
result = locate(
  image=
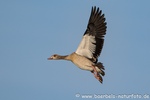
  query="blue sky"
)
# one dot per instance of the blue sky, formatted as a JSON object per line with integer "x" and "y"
{"x": 33, "y": 30}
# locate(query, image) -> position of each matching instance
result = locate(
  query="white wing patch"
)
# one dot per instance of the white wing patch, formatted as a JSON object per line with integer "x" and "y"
{"x": 87, "y": 46}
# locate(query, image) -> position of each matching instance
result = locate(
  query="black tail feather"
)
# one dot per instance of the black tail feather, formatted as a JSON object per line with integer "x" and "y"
{"x": 101, "y": 67}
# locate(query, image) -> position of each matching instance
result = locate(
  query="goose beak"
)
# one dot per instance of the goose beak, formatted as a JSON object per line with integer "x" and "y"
{"x": 50, "y": 58}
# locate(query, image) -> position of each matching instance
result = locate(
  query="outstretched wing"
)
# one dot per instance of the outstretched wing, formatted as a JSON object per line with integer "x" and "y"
{"x": 92, "y": 42}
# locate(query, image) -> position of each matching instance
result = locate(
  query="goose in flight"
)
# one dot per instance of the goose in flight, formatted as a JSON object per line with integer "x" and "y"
{"x": 90, "y": 47}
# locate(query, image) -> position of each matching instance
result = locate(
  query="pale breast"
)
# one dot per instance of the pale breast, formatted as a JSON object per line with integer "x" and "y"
{"x": 82, "y": 62}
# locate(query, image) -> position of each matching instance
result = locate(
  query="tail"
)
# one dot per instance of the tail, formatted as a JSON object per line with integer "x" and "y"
{"x": 101, "y": 68}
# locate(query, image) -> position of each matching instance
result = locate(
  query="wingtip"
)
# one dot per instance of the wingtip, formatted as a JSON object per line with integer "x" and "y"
{"x": 94, "y": 8}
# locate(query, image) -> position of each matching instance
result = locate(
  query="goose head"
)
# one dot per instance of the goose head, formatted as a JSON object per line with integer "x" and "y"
{"x": 54, "y": 57}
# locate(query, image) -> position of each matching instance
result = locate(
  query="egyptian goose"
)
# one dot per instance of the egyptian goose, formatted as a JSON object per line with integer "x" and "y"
{"x": 88, "y": 51}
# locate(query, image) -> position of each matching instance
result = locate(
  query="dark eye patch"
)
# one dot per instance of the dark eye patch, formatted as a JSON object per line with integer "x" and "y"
{"x": 54, "y": 55}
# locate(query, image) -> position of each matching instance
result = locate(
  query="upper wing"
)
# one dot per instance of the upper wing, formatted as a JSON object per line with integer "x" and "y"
{"x": 92, "y": 41}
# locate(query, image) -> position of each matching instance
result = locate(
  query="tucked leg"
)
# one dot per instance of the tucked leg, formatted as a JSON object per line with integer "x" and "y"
{"x": 96, "y": 74}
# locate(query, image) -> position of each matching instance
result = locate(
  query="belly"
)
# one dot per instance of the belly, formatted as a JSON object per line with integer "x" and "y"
{"x": 83, "y": 63}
